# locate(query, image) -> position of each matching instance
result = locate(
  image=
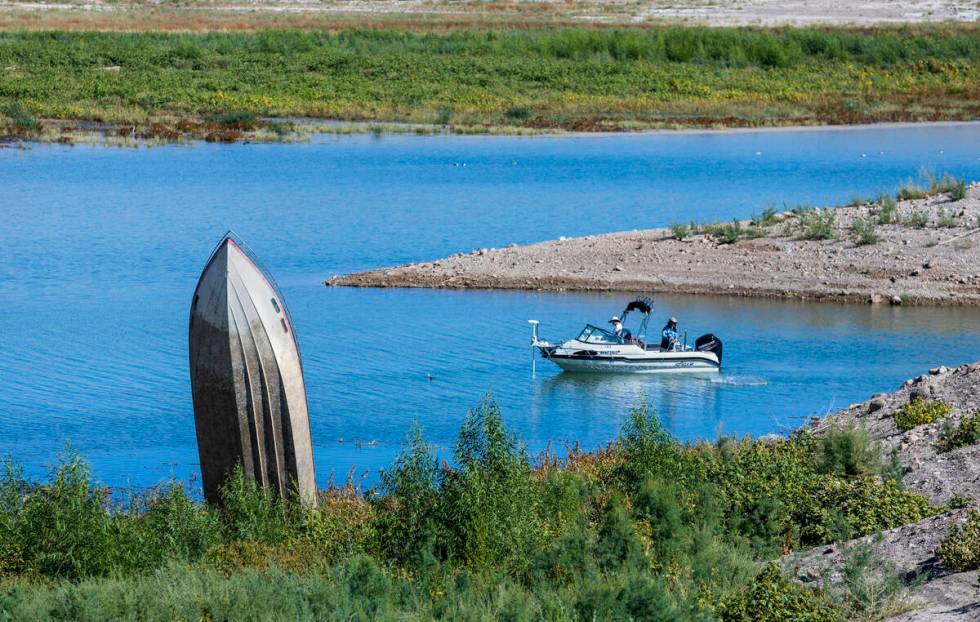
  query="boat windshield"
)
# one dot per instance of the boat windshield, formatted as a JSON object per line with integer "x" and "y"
{"x": 594, "y": 334}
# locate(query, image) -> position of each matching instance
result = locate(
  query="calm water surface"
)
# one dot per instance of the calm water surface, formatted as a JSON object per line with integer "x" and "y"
{"x": 100, "y": 250}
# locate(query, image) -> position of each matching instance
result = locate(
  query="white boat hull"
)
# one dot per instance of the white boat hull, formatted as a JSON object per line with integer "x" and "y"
{"x": 685, "y": 362}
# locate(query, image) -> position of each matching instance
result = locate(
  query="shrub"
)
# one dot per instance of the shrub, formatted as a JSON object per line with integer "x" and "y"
{"x": 919, "y": 412}
{"x": 62, "y": 529}
{"x": 872, "y": 588}
{"x": 949, "y": 185}
{"x": 680, "y": 231}
{"x": 962, "y": 434}
{"x": 886, "y": 215}
{"x": 519, "y": 113}
{"x": 727, "y": 233}
{"x": 865, "y": 231}
{"x": 911, "y": 191}
{"x": 771, "y": 597}
{"x": 252, "y": 513}
{"x": 489, "y": 505}
{"x": 917, "y": 219}
{"x": 945, "y": 220}
{"x": 238, "y": 119}
{"x": 412, "y": 490}
{"x": 766, "y": 219}
{"x": 21, "y": 117}
{"x": 960, "y": 550}
{"x": 815, "y": 225}
{"x": 847, "y": 452}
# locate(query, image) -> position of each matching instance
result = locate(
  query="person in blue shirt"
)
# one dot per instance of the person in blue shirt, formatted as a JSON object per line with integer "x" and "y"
{"x": 668, "y": 340}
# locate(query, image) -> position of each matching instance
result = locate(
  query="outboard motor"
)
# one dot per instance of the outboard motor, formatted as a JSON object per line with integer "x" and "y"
{"x": 709, "y": 343}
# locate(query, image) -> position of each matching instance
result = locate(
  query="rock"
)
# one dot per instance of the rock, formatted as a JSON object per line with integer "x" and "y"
{"x": 896, "y": 300}
{"x": 875, "y": 405}
{"x": 876, "y": 299}
{"x": 618, "y": 269}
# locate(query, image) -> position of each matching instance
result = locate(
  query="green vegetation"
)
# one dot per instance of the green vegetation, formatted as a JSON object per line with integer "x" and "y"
{"x": 571, "y": 78}
{"x": 945, "y": 220}
{"x": 919, "y": 412}
{"x": 917, "y": 219}
{"x": 960, "y": 551}
{"x": 962, "y": 434}
{"x": 865, "y": 231}
{"x": 646, "y": 528}
{"x": 680, "y": 231}
{"x": 887, "y": 215}
{"x": 817, "y": 225}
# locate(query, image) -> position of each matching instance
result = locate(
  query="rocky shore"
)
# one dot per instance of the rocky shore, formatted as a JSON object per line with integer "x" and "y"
{"x": 944, "y": 477}
{"x": 923, "y": 251}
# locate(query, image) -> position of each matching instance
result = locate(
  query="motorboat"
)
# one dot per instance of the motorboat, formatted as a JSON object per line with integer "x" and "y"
{"x": 596, "y": 349}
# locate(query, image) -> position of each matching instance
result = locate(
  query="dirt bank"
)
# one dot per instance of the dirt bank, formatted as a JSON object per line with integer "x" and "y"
{"x": 910, "y": 550}
{"x": 920, "y": 251}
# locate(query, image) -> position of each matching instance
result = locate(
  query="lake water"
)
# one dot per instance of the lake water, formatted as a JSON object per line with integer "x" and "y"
{"x": 100, "y": 250}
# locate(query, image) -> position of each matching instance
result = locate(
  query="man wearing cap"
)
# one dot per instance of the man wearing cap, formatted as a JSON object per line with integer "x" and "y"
{"x": 668, "y": 340}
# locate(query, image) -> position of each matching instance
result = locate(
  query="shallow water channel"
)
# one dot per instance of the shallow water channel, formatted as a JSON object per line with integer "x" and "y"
{"x": 100, "y": 250}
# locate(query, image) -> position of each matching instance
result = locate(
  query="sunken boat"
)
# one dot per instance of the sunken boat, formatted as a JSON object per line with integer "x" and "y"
{"x": 250, "y": 404}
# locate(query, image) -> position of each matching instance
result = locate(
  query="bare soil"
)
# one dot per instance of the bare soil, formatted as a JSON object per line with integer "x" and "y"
{"x": 931, "y": 256}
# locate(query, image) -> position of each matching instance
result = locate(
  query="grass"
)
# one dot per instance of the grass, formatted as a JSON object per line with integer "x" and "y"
{"x": 566, "y": 78}
{"x": 645, "y": 528}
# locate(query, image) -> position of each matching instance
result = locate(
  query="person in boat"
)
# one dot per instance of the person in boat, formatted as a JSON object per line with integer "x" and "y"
{"x": 618, "y": 331}
{"x": 668, "y": 339}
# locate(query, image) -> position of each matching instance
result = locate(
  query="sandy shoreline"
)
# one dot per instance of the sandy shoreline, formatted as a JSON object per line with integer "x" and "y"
{"x": 929, "y": 256}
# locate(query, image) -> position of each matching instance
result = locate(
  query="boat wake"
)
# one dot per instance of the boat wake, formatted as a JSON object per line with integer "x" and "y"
{"x": 738, "y": 380}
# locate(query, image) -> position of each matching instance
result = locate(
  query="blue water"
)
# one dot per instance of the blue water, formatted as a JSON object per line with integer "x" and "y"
{"x": 100, "y": 249}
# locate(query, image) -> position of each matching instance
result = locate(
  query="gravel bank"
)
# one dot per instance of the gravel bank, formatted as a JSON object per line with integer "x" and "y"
{"x": 930, "y": 256}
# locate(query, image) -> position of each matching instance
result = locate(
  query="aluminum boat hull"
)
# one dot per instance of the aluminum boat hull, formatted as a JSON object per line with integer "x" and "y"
{"x": 250, "y": 404}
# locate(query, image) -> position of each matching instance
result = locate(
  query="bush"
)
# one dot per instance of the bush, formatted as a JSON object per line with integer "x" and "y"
{"x": 489, "y": 504}
{"x": 865, "y": 231}
{"x": 815, "y": 225}
{"x": 725, "y": 233}
{"x": 911, "y": 191}
{"x": 411, "y": 489}
{"x": 847, "y": 453}
{"x": 21, "y": 117}
{"x": 771, "y": 597}
{"x": 918, "y": 220}
{"x": 962, "y": 434}
{"x": 680, "y": 231}
{"x": 766, "y": 219}
{"x": 949, "y": 185}
{"x": 886, "y": 215}
{"x": 519, "y": 113}
{"x": 960, "y": 550}
{"x": 919, "y": 412}
{"x": 62, "y": 529}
